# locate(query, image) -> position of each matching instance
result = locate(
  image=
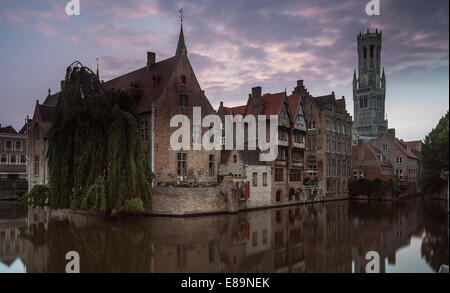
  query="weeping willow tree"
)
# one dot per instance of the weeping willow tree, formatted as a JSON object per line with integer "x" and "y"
{"x": 95, "y": 157}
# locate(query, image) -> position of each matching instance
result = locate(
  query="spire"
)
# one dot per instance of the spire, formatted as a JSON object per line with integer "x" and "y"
{"x": 181, "y": 48}
{"x": 98, "y": 76}
{"x": 49, "y": 91}
{"x": 354, "y": 75}
{"x": 383, "y": 76}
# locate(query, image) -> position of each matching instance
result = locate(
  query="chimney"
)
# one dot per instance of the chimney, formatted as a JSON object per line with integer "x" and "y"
{"x": 332, "y": 93}
{"x": 300, "y": 83}
{"x": 151, "y": 58}
{"x": 256, "y": 92}
{"x": 63, "y": 83}
{"x": 221, "y": 104}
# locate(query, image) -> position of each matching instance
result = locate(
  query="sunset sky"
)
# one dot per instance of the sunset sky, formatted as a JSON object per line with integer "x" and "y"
{"x": 233, "y": 46}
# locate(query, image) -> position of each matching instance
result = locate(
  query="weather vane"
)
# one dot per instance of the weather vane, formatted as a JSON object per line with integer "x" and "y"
{"x": 181, "y": 15}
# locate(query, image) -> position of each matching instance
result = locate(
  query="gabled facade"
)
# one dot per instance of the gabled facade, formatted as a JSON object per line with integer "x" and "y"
{"x": 162, "y": 90}
{"x": 38, "y": 139}
{"x": 406, "y": 164}
{"x": 328, "y": 144}
{"x": 368, "y": 162}
{"x": 285, "y": 174}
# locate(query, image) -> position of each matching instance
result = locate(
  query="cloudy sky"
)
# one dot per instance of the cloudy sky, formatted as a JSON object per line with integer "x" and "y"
{"x": 233, "y": 45}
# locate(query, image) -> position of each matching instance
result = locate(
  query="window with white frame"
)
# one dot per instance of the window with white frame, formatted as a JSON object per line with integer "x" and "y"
{"x": 298, "y": 137}
{"x": 300, "y": 120}
{"x": 3, "y": 159}
{"x": 311, "y": 125}
{"x": 13, "y": 159}
{"x": 224, "y": 140}
{"x": 18, "y": 146}
{"x": 399, "y": 160}
{"x": 8, "y": 145}
{"x": 385, "y": 147}
{"x": 23, "y": 159}
{"x": 297, "y": 156}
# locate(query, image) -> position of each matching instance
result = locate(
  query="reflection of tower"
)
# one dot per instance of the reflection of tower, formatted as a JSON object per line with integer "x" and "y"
{"x": 369, "y": 87}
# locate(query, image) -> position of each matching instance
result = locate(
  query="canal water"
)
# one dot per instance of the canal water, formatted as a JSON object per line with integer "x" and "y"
{"x": 410, "y": 235}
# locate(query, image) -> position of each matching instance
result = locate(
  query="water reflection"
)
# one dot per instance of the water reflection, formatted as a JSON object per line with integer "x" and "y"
{"x": 330, "y": 237}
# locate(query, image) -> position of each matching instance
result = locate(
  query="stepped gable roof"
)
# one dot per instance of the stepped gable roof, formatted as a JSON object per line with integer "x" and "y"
{"x": 143, "y": 80}
{"x": 322, "y": 100}
{"x": 404, "y": 150}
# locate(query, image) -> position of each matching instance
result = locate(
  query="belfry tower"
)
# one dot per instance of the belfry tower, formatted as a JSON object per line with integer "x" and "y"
{"x": 369, "y": 88}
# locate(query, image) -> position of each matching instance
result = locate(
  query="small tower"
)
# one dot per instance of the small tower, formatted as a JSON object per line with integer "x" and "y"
{"x": 369, "y": 87}
{"x": 181, "y": 48}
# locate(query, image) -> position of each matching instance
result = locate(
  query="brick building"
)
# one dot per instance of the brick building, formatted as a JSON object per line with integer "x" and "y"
{"x": 328, "y": 143}
{"x": 285, "y": 176}
{"x": 162, "y": 90}
{"x": 368, "y": 162}
{"x": 13, "y": 154}
{"x": 406, "y": 164}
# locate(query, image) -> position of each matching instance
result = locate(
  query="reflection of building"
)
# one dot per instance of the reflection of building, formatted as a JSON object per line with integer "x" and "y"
{"x": 326, "y": 237}
{"x": 385, "y": 234}
{"x": 12, "y": 245}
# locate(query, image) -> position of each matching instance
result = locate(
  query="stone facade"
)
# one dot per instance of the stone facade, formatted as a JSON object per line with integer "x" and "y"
{"x": 369, "y": 88}
{"x": 38, "y": 140}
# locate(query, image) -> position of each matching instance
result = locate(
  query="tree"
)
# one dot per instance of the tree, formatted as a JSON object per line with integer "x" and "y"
{"x": 95, "y": 157}
{"x": 435, "y": 151}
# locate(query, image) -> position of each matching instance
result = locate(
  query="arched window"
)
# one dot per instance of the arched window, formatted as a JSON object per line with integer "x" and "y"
{"x": 278, "y": 196}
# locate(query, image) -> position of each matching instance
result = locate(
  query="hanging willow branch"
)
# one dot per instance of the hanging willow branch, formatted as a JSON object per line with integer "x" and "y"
{"x": 95, "y": 157}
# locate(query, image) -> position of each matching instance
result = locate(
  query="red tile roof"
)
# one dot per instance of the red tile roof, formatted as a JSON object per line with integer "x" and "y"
{"x": 293, "y": 101}
{"x": 402, "y": 148}
{"x": 416, "y": 145}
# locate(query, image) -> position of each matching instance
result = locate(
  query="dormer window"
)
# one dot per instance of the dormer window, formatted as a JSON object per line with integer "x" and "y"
{"x": 300, "y": 120}
{"x": 183, "y": 79}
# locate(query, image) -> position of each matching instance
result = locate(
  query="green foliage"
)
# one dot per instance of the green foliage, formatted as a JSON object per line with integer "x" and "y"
{"x": 134, "y": 205}
{"x": 95, "y": 157}
{"x": 37, "y": 197}
{"x": 435, "y": 150}
{"x": 376, "y": 188}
